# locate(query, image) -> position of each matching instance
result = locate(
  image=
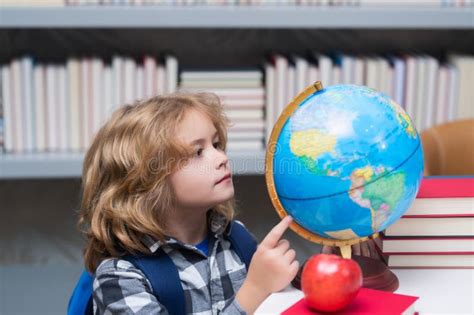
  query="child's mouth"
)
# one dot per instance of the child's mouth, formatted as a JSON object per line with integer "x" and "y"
{"x": 225, "y": 178}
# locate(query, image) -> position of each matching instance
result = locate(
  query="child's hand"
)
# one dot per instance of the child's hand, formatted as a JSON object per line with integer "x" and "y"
{"x": 273, "y": 265}
{"x": 272, "y": 268}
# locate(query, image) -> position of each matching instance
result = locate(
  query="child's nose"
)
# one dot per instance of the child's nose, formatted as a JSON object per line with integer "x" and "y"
{"x": 221, "y": 159}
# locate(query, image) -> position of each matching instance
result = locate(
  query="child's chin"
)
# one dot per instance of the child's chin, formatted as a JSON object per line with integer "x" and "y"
{"x": 226, "y": 196}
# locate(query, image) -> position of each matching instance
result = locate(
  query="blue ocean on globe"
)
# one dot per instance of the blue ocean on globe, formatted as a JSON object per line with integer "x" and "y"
{"x": 348, "y": 162}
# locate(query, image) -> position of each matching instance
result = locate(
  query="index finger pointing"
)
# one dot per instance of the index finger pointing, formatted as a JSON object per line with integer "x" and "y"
{"x": 276, "y": 232}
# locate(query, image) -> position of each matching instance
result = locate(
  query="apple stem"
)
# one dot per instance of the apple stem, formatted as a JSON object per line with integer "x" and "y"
{"x": 346, "y": 251}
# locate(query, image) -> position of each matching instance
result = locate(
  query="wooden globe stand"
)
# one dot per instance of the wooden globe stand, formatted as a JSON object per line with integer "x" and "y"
{"x": 376, "y": 275}
{"x": 375, "y": 272}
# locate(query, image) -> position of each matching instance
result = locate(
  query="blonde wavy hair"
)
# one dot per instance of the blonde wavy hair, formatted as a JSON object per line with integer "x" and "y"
{"x": 126, "y": 191}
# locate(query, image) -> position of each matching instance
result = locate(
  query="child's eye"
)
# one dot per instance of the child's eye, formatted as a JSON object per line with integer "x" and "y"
{"x": 217, "y": 145}
{"x": 199, "y": 152}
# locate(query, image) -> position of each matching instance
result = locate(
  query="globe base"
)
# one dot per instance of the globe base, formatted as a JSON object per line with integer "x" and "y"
{"x": 375, "y": 272}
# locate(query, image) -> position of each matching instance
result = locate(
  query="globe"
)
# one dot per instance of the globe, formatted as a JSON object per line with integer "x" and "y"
{"x": 344, "y": 161}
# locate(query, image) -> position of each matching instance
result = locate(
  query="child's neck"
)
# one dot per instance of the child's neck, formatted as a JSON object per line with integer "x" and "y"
{"x": 189, "y": 227}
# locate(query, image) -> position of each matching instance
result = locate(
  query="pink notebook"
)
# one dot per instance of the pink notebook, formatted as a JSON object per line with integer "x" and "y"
{"x": 368, "y": 301}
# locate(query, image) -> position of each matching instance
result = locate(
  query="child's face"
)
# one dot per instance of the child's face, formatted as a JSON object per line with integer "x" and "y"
{"x": 205, "y": 180}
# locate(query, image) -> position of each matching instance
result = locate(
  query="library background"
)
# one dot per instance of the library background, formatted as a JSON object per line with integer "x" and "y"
{"x": 67, "y": 64}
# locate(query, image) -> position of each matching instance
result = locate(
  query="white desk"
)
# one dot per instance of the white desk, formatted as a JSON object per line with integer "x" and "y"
{"x": 441, "y": 291}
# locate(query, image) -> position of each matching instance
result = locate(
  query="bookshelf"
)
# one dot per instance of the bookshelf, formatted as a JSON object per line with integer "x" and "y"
{"x": 67, "y": 165}
{"x": 247, "y": 34}
{"x": 237, "y": 17}
{"x": 206, "y": 37}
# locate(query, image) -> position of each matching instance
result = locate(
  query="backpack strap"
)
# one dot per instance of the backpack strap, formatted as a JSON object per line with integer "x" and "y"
{"x": 243, "y": 242}
{"x": 163, "y": 275}
{"x": 90, "y": 306}
{"x": 81, "y": 298}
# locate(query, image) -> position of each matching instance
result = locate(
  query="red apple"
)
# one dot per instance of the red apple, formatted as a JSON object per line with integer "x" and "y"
{"x": 330, "y": 282}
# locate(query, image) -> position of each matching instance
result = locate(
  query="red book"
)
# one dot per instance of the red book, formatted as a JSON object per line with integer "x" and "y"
{"x": 368, "y": 301}
{"x": 443, "y": 197}
{"x": 446, "y": 187}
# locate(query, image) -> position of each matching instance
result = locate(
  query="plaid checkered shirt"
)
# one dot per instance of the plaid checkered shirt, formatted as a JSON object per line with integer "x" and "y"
{"x": 210, "y": 282}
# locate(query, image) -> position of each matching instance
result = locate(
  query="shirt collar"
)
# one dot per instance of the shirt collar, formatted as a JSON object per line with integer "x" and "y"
{"x": 216, "y": 224}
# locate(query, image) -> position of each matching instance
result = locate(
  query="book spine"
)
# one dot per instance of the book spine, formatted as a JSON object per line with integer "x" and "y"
{"x": 140, "y": 83}
{"x": 444, "y": 187}
{"x": 428, "y": 253}
{"x": 51, "y": 108}
{"x": 391, "y": 266}
{"x": 439, "y": 216}
{"x": 108, "y": 92}
{"x": 270, "y": 99}
{"x": 97, "y": 89}
{"x": 64, "y": 125}
{"x": 7, "y": 108}
{"x": 117, "y": 75}
{"x": 73, "y": 92}
{"x": 86, "y": 123}
{"x": 29, "y": 112}
{"x": 160, "y": 79}
{"x": 149, "y": 64}
{"x": 40, "y": 104}
{"x": 18, "y": 122}
{"x": 171, "y": 66}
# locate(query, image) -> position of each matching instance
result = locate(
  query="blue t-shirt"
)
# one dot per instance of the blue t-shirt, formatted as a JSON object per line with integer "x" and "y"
{"x": 204, "y": 245}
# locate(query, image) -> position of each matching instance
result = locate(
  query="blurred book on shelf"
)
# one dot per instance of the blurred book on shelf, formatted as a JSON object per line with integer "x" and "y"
{"x": 243, "y": 96}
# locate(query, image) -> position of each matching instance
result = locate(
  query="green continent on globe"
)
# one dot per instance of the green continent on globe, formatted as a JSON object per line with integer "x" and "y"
{"x": 313, "y": 167}
{"x": 380, "y": 196}
{"x": 386, "y": 191}
{"x": 308, "y": 145}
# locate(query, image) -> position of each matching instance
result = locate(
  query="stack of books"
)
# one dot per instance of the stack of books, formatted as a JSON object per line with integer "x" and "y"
{"x": 438, "y": 229}
{"x": 243, "y": 97}
{"x": 59, "y": 107}
{"x": 431, "y": 92}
